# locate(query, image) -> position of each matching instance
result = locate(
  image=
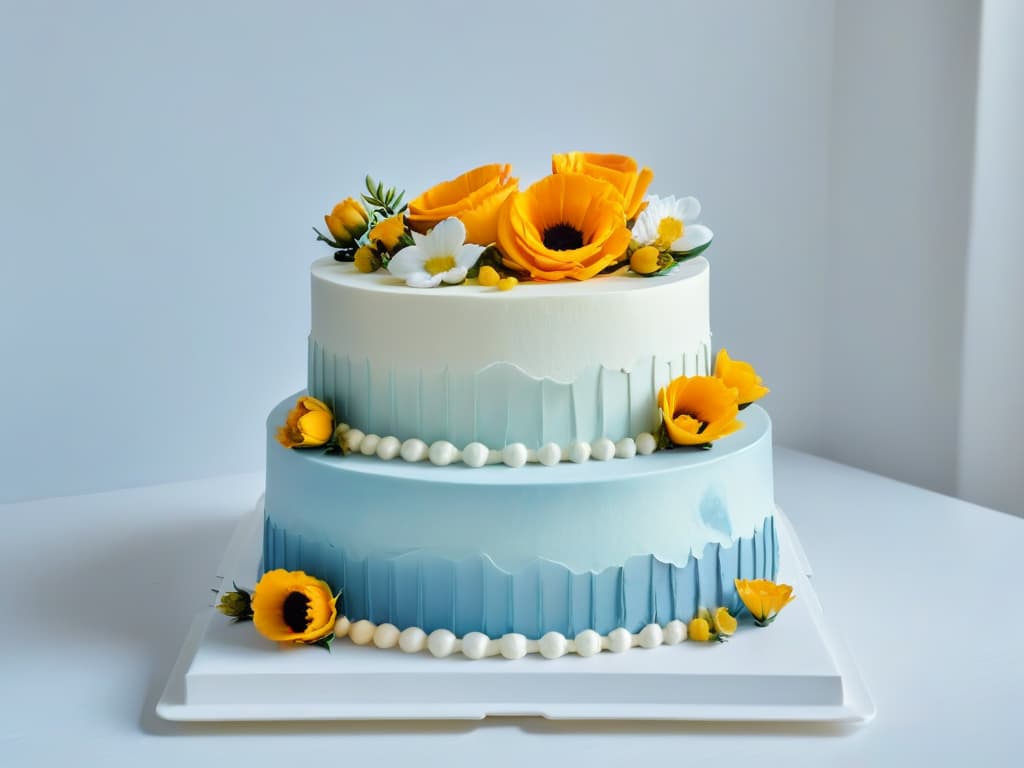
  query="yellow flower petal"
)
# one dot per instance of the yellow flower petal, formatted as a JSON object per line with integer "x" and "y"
{"x": 741, "y": 376}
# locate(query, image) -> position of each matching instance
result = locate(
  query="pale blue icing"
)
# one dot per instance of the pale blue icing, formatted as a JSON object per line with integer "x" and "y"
{"x": 420, "y": 589}
{"x": 595, "y": 545}
{"x": 500, "y": 404}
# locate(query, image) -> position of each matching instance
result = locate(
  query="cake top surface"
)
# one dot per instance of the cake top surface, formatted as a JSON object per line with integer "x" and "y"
{"x": 346, "y": 275}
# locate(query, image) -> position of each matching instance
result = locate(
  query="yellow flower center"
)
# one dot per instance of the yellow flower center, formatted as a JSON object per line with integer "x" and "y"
{"x": 670, "y": 229}
{"x": 439, "y": 264}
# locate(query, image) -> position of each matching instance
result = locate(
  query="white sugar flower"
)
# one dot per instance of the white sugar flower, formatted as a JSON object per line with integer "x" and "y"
{"x": 437, "y": 257}
{"x": 669, "y": 224}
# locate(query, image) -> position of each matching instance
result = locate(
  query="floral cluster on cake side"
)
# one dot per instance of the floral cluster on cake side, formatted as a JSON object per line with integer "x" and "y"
{"x": 295, "y": 608}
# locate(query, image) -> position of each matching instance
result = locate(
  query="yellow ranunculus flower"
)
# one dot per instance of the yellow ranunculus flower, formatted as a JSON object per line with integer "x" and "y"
{"x": 310, "y": 423}
{"x": 764, "y": 599}
{"x": 291, "y": 606}
{"x": 348, "y": 221}
{"x": 474, "y": 198}
{"x": 698, "y": 410}
{"x": 740, "y": 376}
{"x": 698, "y": 629}
{"x": 388, "y": 232}
{"x": 618, "y": 170}
{"x": 564, "y": 226}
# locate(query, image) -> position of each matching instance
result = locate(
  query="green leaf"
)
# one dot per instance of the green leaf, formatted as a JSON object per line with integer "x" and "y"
{"x": 321, "y": 237}
{"x": 325, "y": 641}
{"x": 490, "y": 257}
{"x": 681, "y": 256}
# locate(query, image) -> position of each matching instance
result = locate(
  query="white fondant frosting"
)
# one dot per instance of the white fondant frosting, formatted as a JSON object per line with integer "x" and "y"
{"x": 545, "y": 363}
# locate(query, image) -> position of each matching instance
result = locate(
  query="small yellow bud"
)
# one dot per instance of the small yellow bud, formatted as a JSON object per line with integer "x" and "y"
{"x": 507, "y": 283}
{"x": 367, "y": 260}
{"x": 699, "y": 630}
{"x": 488, "y": 276}
{"x": 347, "y": 221}
{"x": 645, "y": 261}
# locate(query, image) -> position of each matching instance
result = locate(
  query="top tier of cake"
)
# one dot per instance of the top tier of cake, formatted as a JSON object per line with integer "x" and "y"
{"x": 545, "y": 363}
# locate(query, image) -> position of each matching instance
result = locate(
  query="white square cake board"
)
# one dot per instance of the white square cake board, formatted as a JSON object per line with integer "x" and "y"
{"x": 796, "y": 670}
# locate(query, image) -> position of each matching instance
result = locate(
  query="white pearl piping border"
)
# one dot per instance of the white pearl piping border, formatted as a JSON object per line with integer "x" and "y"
{"x": 443, "y": 453}
{"x": 477, "y": 645}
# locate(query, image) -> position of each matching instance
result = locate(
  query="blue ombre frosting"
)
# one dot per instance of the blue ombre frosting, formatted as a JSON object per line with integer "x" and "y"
{"x": 597, "y": 545}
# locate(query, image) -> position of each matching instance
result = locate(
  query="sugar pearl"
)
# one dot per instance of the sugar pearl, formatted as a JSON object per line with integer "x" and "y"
{"x": 650, "y": 636}
{"x": 414, "y": 449}
{"x": 342, "y": 626}
{"x": 549, "y": 454}
{"x": 579, "y": 452}
{"x": 625, "y": 448}
{"x": 386, "y": 636}
{"x": 513, "y": 646}
{"x": 474, "y": 645}
{"x": 553, "y": 645}
{"x": 412, "y": 640}
{"x": 588, "y": 643}
{"x": 619, "y": 640}
{"x": 442, "y": 453}
{"x": 646, "y": 444}
{"x": 441, "y": 642}
{"x": 361, "y": 632}
{"x": 388, "y": 447}
{"x": 353, "y": 439}
{"x": 675, "y": 632}
{"x": 369, "y": 445}
{"x": 514, "y": 455}
{"x": 475, "y": 454}
{"x": 603, "y": 449}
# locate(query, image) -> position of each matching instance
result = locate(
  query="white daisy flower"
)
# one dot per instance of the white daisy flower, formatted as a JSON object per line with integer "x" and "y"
{"x": 440, "y": 256}
{"x": 669, "y": 224}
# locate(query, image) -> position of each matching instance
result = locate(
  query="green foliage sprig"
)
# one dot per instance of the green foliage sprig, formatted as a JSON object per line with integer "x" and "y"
{"x": 384, "y": 202}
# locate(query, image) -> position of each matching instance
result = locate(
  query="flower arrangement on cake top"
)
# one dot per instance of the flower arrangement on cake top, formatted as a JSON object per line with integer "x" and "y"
{"x": 590, "y": 217}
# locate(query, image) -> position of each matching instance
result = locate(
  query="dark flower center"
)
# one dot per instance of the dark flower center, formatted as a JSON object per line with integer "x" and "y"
{"x": 563, "y": 237}
{"x": 294, "y": 611}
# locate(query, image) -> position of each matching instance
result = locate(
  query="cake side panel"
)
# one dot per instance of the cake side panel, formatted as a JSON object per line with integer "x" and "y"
{"x": 543, "y": 363}
{"x": 622, "y": 543}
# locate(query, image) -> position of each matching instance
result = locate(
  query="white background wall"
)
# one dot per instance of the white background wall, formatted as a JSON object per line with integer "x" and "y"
{"x": 160, "y": 167}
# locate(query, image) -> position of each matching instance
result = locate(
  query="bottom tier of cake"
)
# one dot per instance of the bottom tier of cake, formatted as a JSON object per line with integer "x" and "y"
{"x": 530, "y": 550}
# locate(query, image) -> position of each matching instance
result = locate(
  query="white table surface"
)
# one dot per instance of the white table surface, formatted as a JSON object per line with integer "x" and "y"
{"x": 99, "y": 591}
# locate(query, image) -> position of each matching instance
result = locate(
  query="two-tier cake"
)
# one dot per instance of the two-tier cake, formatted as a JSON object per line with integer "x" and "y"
{"x": 515, "y": 435}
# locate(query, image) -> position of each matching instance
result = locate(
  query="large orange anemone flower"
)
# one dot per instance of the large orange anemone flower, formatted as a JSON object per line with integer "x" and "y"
{"x": 567, "y": 225}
